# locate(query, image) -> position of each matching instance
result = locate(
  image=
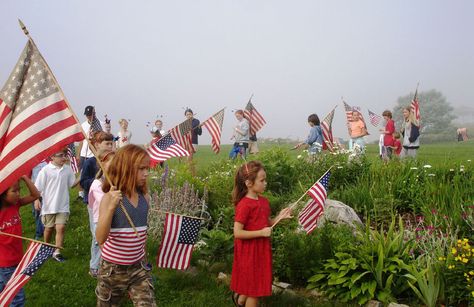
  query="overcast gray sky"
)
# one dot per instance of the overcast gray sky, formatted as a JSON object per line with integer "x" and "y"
{"x": 141, "y": 59}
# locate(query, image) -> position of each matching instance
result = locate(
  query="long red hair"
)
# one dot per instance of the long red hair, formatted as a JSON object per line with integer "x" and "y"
{"x": 123, "y": 170}
{"x": 247, "y": 171}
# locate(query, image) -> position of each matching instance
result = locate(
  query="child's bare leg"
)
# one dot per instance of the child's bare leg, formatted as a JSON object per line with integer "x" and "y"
{"x": 48, "y": 233}
{"x": 60, "y": 234}
{"x": 251, "y": 301}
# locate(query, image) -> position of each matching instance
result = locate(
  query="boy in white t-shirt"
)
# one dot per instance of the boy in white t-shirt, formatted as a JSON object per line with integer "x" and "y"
{"x": 53, "y": 182}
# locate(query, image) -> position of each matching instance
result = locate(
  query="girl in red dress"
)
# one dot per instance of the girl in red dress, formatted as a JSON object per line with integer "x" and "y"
{"x": 252, "y": 267}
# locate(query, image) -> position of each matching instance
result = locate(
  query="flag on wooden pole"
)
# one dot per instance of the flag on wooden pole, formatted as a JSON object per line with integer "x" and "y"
{"x": 35, "y": 256}
{"x": 180, "y": 235}
{"x": 309, "y": 215}
{"x": 35, "y": 119}
{"x": 256, "y": 120}
{"x": 415, "y": 106}
{"x": 374, "y": 118}
{"x": 214, "y": 125}
{"x": 182, "y": 134}
{"x": 166, "y": 148}
{"x": 326, "y": 127}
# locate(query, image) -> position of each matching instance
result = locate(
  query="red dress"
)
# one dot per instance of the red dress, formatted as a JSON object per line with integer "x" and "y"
{"x": 252, "y": 267}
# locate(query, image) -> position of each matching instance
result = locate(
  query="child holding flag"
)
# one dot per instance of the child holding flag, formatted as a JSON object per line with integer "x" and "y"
{"x": 123, "y": 267}
{"x": 11, "y": 249}
{"x": 252, "y": 267}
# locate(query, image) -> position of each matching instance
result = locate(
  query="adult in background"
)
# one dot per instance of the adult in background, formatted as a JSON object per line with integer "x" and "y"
{"x": 314, "y": 141}
{"x": 253, "y": 145}
{"x": 388, "y": 133}
{"x": 240, "y": 135}
{"x": 196, "y": 130}
{"x": 411, "y": 134}
{"x": 357, "y": 131}
{"x": 85, "y": 151}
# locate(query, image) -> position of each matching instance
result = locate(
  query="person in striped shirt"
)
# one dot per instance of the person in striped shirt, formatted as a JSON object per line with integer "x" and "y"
{"x": 123, "y": 268}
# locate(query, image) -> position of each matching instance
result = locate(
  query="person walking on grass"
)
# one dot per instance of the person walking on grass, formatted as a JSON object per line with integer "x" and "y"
{"x": 53, "y": 182}
{"x": 11, "y": 249}
{"x": 388, "y": 133}
{"x": 252, "y": 266}
{"x": 95, "y": 197}
{"x": 123, "y": 270}
{"x": 411, "y": 134}
{"x": 357, "y": 131}
{"x": 314, "y": 141}
{"x": 240, "y": 136}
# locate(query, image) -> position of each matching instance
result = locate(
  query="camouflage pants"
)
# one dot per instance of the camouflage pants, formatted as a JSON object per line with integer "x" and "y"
{"x": 114, "y": 281}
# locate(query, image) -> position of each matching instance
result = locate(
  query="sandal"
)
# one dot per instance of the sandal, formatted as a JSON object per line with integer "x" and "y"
{"x": 235, "y": 299}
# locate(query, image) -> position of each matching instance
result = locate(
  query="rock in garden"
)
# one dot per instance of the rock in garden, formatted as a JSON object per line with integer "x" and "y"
{"x": 397, "y": 305}
{"x": 374, "y": 303}
{"x": 339, "y": 213}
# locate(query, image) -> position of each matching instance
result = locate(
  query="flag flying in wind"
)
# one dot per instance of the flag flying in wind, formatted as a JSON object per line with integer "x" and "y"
{"x": 256, "y": 120}
{"x": 309, "y": 215}
{"x": 35, "y": 256}
{"x": 166, "y": 148}
{"x": 326, "y": 127}
{"x": 180, "y": 235}
{"x": 71, "y": 155}
{"x": 348, "y": 110}
{"x": 182, "y": 134}
{"x": 415, "y": 106}
{"x": 375, "y": 119}
{"x": 214, "y": 125}
{"x": 35, "y": 120}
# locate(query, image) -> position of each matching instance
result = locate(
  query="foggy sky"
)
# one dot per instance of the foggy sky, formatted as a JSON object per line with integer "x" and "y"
{"x": 143, "y": 59}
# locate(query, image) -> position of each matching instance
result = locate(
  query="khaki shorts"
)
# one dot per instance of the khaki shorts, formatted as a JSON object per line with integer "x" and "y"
{"x": 49, "y": 220}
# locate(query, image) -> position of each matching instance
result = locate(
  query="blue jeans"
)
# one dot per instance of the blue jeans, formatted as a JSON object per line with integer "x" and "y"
{"x": 39, "y": 225}
{"x": 239, "y": 148}
{"x": 5, "y": 274}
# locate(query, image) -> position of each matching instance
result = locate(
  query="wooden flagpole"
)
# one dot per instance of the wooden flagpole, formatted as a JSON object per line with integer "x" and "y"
{"x": 28, "y": 239}
{"x": 296, "y": 202}
{"x": 93, "y": 149}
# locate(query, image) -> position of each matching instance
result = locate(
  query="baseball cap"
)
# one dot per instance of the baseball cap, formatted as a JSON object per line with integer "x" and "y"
{"x": 89, "y": 111}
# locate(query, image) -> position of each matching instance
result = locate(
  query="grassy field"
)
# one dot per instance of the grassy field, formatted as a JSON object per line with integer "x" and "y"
{"x": 68, "y": 284}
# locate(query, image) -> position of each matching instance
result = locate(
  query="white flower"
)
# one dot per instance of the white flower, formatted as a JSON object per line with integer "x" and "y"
{"x": 299, "y": 157}
{"x": 431, "y": 175}
{"x": 413, "y": 167}
{"x": 427, "y": 166}
{"x": 451, "y": 169}
{"x": 469, "y": 160}
{"x": 339, "y": 167}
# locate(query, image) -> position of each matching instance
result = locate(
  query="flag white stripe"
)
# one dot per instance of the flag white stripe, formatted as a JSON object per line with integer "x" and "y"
{"x": 174, "y": 241}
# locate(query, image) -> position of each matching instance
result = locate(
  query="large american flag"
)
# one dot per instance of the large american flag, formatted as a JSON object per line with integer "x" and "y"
{"x": 374, "y": 118}
{"x": 166, "y": 148}
{"x": 35, "y": 120}
{"x": 35, "y": 256}
{"x": 308, "y": 217}
{"x": 214, "y": 125}
{"x": 415, "y": 106}
{"x": 180, "y": 235}
{"x": 326, "y": 127}
{"x": 71, "y": 155}
{"x": 182, "y": 134}
{"x": 256, "y": 120}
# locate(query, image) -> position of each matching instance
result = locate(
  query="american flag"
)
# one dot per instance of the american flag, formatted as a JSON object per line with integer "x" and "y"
{"x": 214, "y": 125}
{"x": 349, "y": 111}
{"x": 308, "y": 217}
{"x": 256, "y": 120}
{"x": 71, "y": 155}
{"x": 182, "y": 134}
{"x": 374, "y": 118}
{"x": 95, "y": 125}
{"x": 166, "y": 148}
{"x": 35, "y": 120}
{"x": 35, "y": 256}
{"x": 415, "y": 106}
{"x": 326, "y": 127}
{"x": 180, "y": 235}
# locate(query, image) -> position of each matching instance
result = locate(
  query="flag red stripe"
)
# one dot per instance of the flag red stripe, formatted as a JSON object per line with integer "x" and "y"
{"x": 36, "y": 138}
{"x": 174, "y": 243}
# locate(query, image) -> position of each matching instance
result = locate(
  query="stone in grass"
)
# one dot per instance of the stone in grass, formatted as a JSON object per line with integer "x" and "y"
{"x": 282, "y": 285}
{"x": 397, "y": 305}
{"x": 374, "y": 303}
{"x": 338, "y": 213}
{"x": 223, "y": 278}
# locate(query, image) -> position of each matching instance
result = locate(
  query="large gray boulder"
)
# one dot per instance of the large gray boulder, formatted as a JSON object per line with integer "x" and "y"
{"x": 338, "y": 213}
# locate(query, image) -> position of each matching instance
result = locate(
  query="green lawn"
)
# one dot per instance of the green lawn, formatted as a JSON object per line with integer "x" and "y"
{"x": 68, "y": 284}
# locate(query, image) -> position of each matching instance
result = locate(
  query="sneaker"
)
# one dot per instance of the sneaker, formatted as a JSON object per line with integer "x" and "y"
{"x": 59, "y": 258}
{"x": 93, "y": 272}
{"x": 80, "y": 195}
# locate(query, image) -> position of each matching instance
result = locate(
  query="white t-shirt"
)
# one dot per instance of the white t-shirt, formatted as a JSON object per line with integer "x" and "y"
{"x": 53, "y": 183}
{"x": 85, "y": 150}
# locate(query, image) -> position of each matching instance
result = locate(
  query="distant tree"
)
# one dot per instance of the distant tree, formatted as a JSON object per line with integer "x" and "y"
{"x": 436, "y": 115}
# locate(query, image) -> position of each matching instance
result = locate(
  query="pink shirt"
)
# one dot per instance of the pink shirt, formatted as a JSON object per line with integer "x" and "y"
{"x": 95, "y": 197}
